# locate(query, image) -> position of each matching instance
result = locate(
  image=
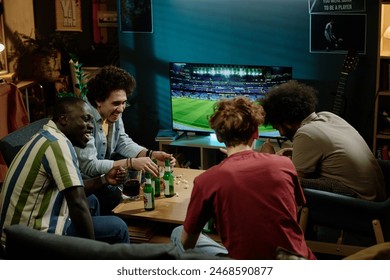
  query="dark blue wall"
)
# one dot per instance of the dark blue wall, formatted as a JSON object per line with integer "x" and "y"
{"x": 261, "y": 32}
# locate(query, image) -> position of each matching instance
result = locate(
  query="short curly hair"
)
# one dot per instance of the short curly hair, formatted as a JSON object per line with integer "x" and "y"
{"x": 108, "y": 79}
{"x": 290, "y": 102}
{"x": 235, "y": 120}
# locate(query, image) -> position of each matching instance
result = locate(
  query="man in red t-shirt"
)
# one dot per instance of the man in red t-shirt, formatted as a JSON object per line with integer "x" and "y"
{"x": 253, "y": 197}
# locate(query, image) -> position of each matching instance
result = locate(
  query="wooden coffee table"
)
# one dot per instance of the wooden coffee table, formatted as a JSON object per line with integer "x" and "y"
{"x": 167, "y": 210}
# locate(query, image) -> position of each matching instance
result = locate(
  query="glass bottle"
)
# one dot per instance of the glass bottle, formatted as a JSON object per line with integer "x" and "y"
{"x": 209, "y": 227}
{"x": 169, "y": 190}
{"x": 148, "y": 193}
{"x": 156, "y": 182}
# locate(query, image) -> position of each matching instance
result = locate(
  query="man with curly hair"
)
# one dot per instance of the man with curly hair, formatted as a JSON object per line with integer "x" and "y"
{"x": 109, "y": 144}
{"x": 328, "y": 153}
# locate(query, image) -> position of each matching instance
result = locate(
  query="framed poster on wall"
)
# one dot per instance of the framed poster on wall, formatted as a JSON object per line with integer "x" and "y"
{"x": 68, "y": 15}
{"x": 135, "y": 16}
{"x": 338, "y": 33}
{"x": 3, "y": 50}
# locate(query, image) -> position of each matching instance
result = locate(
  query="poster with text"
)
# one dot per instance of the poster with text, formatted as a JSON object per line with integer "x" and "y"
{"x": 336, "y": 6}
{"x": 68, "y": 15}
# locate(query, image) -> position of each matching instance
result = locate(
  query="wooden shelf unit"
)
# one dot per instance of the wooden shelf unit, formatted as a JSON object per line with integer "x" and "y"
{"x": 381, "y": 136}
{"x": 201, "y": 152}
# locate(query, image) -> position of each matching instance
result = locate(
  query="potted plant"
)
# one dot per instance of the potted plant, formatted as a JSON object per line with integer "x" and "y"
{"x": 39, "y": 58}
{"x": 80, "y": 80}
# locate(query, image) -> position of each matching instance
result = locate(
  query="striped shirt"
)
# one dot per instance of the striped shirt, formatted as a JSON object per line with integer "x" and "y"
{"x": 31, "y": 193}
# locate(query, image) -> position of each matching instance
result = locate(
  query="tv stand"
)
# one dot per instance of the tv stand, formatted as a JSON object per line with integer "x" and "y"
{"x": 188, "y": 134}
{"x": 203, "y": 133}
{"x": 199, "y": 151}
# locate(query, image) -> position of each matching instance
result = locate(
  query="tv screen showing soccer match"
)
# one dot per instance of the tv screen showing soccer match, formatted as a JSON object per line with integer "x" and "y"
{"x": 195, "y": 87}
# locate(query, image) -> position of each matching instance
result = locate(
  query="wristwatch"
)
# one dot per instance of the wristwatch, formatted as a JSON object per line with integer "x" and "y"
{"x": 103, "y": 179}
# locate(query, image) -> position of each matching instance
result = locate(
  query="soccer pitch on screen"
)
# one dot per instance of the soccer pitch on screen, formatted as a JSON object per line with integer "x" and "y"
{"x": 192, "y": 114}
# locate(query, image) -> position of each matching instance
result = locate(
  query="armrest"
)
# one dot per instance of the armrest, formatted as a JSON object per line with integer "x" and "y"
{"x": 344, "y": 212}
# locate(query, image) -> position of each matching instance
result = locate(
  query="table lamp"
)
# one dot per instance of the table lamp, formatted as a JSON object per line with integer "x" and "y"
{"x": 386, "y": 34}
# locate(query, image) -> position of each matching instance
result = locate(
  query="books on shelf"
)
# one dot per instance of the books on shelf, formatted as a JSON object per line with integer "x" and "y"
{"x": 141, "y": 232}
{"x": 166, "y": 135}
{"x": 383, "y": 152}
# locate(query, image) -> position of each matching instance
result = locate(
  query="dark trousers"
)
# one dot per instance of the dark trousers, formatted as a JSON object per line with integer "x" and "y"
{"x": 109, "y": 197}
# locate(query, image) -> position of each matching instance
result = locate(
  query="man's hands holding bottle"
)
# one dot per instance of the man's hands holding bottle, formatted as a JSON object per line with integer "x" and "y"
{"x": 162, "y": 156}
{"x": 146, "y": 164}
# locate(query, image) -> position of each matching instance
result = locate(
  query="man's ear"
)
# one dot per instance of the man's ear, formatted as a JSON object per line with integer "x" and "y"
{"x": 63, "y": 120}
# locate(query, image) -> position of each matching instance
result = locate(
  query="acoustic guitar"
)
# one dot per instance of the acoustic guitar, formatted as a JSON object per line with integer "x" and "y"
{"x": 349, "y": 64}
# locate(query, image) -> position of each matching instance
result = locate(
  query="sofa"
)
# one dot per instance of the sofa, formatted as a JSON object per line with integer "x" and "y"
{"x": 24, "y": 243}
{"x": 30, "y": 244}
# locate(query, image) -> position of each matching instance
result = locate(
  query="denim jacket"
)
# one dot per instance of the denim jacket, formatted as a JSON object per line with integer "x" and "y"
{"x": 92, "y": 158}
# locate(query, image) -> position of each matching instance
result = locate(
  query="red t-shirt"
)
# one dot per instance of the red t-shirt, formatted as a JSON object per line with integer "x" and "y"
{"x": 253, "y": 197}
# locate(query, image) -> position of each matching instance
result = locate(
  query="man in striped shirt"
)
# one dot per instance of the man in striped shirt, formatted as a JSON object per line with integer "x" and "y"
{"x": 44, "y": 190}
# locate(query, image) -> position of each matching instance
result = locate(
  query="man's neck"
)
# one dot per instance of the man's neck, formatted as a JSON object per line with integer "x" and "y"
{"x": 237, "y": 149}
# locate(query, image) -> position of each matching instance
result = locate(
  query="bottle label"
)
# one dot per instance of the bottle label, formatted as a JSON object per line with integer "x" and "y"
{"x": 148, "y": 200}
{"x": 166, "y": 189}
{"x": 161, "y": 171}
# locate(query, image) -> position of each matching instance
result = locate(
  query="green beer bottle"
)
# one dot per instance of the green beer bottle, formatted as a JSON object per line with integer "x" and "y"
{"x": 148, "y": 193}
{"x": 156, "y": 183}
{"x": 169, "y": 189}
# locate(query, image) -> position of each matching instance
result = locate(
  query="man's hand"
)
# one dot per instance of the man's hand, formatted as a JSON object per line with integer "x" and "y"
{"x": 267, "y": 147}
{"x": 145, "y": 164}
{"x": 116, "y": 175}
{"x": 287, "y": 152}
{"x": 162, "y": 156}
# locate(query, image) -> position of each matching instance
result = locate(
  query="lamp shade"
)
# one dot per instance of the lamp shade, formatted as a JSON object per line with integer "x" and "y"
{"x": 2, "y": 47}
{"x": 387, "y": 33}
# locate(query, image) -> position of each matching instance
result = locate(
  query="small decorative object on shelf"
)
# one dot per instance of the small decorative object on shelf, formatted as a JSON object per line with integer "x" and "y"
{"x": 166, "y": 135}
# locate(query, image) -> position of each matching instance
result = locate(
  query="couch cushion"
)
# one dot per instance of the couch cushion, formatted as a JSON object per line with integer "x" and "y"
{"x": 28, "y": 244}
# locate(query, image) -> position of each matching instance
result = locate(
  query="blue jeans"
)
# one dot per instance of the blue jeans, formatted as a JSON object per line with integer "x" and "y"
{"x": 205, "y": 245}
{"x": 110, "y": 229}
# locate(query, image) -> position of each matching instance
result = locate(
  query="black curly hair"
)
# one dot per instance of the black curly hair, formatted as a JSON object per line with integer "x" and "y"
{"x": 290, "y": 103}
{"x": 108, "y": 79}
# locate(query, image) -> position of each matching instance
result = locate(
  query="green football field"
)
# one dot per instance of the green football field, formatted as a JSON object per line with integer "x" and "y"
{"x": 193, "y": 113}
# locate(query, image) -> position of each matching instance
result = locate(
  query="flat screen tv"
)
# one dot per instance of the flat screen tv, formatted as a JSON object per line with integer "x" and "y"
{"x": 195, "y": 87}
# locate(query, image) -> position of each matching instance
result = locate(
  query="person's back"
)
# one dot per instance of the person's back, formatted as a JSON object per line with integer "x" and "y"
{"x": 328, "y": 153}
{"x": 254, "y": 197}
{"x": 327, "y": 145}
